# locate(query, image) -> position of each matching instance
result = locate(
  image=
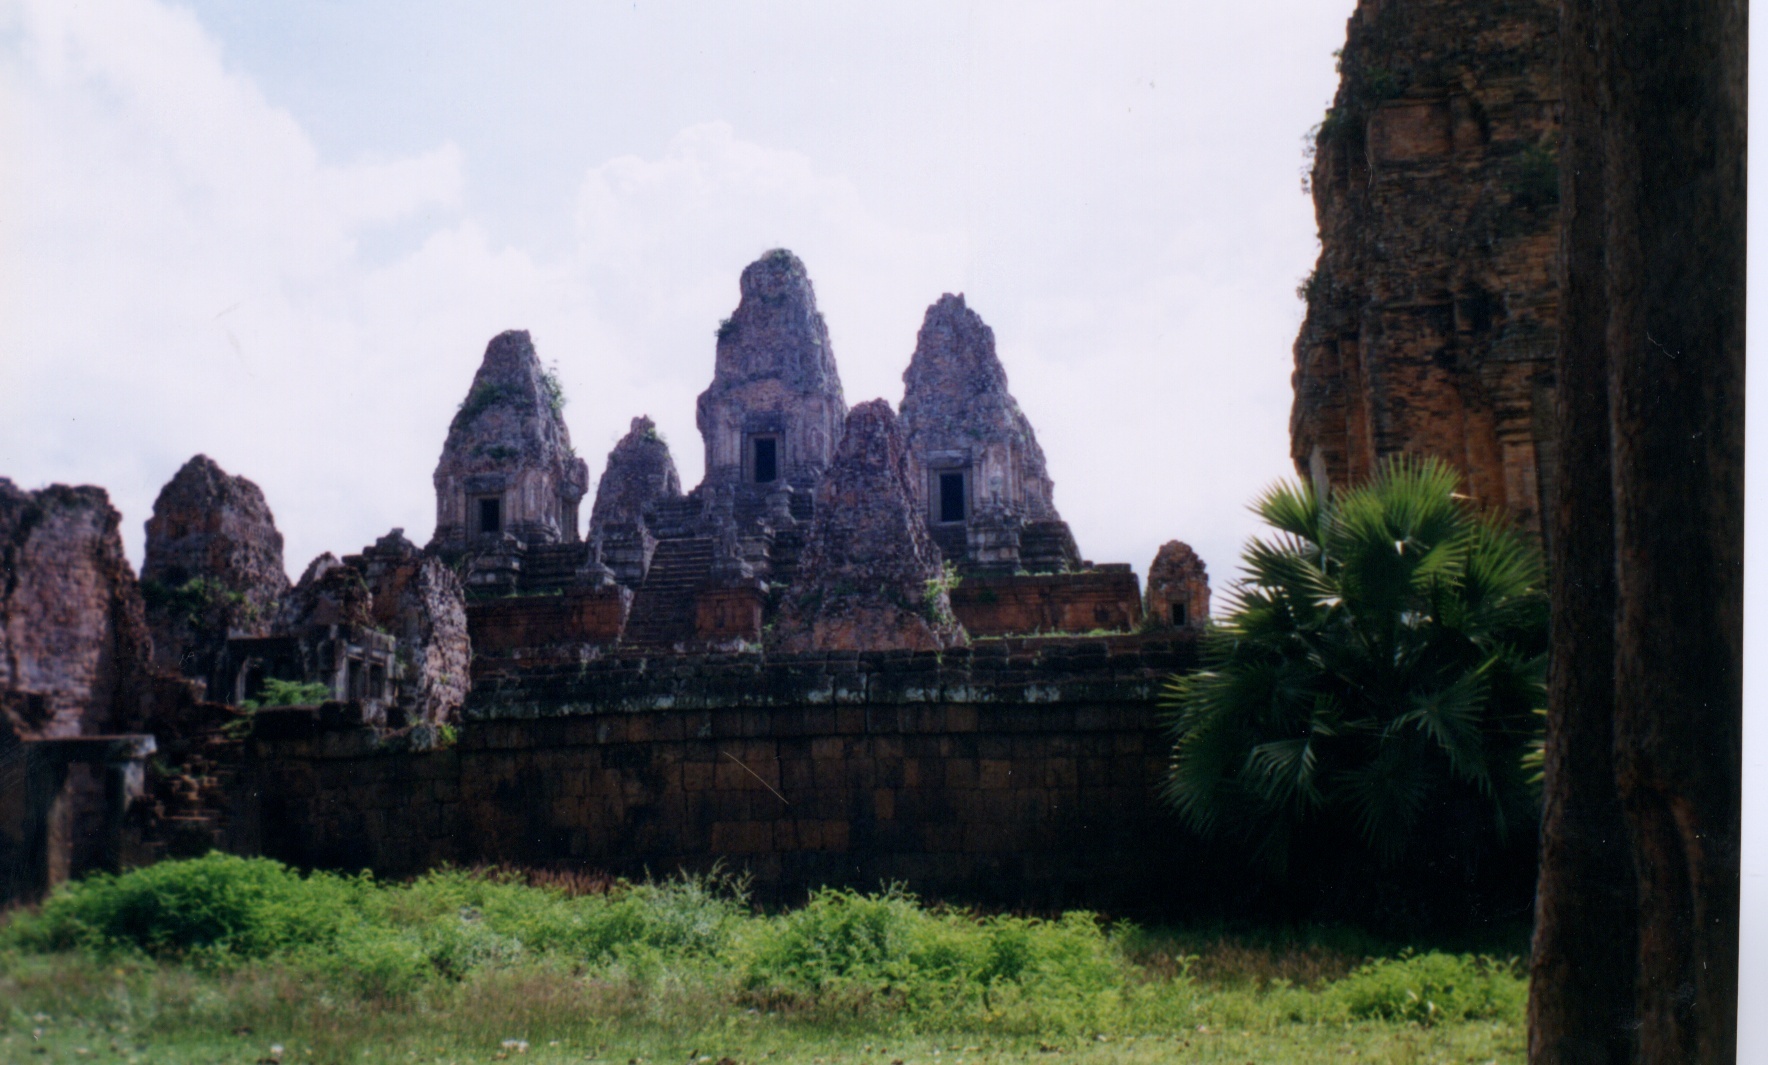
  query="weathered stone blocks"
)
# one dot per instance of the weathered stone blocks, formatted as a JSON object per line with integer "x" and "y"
{"x": 774, "y": 411}
{"x": 640, "y": 474}
{"x": 1432, "y": 312}
{"x": 864, "y": 579}
{"x": 1178, "y": 587}
{"x": 213, "y": 567}
{"x": 507, "y": 466}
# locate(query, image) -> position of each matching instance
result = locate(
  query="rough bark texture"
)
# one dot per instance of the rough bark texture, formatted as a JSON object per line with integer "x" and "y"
{"x": 1585, "y": 949}
{"x": 508, "y": 443}
{"x": 775, "y": 376}
{"x": 639, "y": 474}
{"x": 72, "y": 626}
{"x": 958, "y": 414}
{"x": 213, "y": 566}
{"x": 863, "y": 580}
{"x": 1431, "y": 313}
{"x": 1675, "y": 123}
{"x": 1656, "y": 127}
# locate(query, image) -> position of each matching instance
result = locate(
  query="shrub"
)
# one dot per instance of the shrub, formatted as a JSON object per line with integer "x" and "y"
{"x": 288, "y": 693}
{"x": 218, "y": 906}
{"x": 480, "y": 398}
{"x": 1376, "y": 675}
{"x": 1431, "y": 988}
{"x": 554, "y": 388}
{"x": 195, "y": 599}
{"x": 845, "y": 949}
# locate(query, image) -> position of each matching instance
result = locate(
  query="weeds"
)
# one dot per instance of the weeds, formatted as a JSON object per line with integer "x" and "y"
{"x": 218, "y": 957}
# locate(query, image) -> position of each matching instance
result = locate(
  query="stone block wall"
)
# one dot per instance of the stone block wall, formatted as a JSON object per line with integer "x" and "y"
{"x": 1106, "y": 599}
{"x": 1017, "y": 772}
{"x": 722, "y": 615}
{"x": 579, "y": 616}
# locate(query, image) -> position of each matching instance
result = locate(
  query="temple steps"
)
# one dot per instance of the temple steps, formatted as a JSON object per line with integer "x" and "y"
{"x": 663, "y": 608}
{"x": 550, "y": 567}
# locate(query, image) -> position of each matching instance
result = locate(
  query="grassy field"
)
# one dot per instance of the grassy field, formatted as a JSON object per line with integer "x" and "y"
{"x": 230, "y": 960}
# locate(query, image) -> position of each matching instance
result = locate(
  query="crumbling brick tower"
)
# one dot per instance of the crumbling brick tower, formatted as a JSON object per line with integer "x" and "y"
{"x": 507, "y": 467}
{"x": 1431, "y": 314}
{"x": 774, "y": 411}
{"x": 980, "y": 475}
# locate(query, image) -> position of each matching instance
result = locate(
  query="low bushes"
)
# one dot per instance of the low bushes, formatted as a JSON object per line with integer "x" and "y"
{"x": 843, "y": 956}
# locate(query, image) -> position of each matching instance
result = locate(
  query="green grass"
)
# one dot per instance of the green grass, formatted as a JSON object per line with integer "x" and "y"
{"x": 223, "y": 959}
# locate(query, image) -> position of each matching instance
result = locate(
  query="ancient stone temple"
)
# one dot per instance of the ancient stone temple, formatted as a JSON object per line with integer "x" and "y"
{"x": 869, "y": 576}
{"x": 639, "y": 475}
{"x": 385, "y": 631}
{"x": 1178, "y": 588}
{"x": 213, "y": 567}
{"x": 980, "y": 477}
{"x": 700, "y": 567}
{"x": 1431, "y": 314}
{"x": 773, "y": 414}
{"x": 78, "y": 693}
{"x": 863, "y": 648}
{"x": 507, "y": 467}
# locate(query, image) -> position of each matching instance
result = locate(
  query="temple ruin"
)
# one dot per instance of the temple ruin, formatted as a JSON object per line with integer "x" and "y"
{"x": 508, "y": 472}
{"x": 824, "y": 554}
{"x": 1432, "y": 313}
{"x": 981, "y": 481}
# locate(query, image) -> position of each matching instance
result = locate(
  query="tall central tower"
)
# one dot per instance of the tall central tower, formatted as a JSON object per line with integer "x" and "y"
{"x": 774, "y": 411}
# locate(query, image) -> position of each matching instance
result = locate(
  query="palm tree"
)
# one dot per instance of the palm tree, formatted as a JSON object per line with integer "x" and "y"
{"x": 1377, "y": 678}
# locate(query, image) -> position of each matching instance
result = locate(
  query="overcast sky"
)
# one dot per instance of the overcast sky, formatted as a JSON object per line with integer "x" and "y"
{"x": 281, "y": 234}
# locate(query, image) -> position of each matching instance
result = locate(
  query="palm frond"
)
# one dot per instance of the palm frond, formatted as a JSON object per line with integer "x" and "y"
{"x": 1386, "y": 797}
{"x": 1451, "y": 716}
{"x": 1292, "y": 507}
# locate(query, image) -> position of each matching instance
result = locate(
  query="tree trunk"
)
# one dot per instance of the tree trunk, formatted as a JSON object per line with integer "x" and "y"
{"x": 1584, "y": 956}
{"x": 1674, "y": 150}
{"x": 1648, "y": 551}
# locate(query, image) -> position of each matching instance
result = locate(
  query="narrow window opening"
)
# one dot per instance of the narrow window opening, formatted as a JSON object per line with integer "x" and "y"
{"x": 767, "y": 459}
{"x": 377, "y": 681}
{"x": 951, "y": 497}
{"x": 491, "y": 516}
{"x": 353, "y": 682}
{"x": 1179, "y": 615}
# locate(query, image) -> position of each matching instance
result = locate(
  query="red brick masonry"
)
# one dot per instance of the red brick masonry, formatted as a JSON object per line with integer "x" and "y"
{"x": 1049, "y": 602}
{"x": 506, "y": 624}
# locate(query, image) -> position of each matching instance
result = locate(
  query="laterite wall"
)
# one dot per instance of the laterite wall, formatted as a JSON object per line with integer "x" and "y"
{"x": 1021, "y": 772}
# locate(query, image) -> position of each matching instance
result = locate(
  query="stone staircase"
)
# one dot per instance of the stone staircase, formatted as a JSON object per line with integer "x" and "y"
{"x": 551, "y": 567}
{"x": 1048, "y": 547}
{"x": 663, "y": 608}
{"x": 951, "y": 542}
{"x": 675, "y": 518}
{"x": 188, "y": 815}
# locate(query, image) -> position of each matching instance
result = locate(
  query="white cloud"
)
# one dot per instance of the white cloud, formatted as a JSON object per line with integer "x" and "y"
{"x": 187, "y": 268}
{"x": 194, "y": 282}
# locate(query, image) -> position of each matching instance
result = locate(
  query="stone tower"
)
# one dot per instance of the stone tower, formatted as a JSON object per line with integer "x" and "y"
{"x": 1178, "y": 587}
{"x": 774, "y": 411}
{"x": 640, "y": 473}
{"x": 213, "y": 566}
{"x": 1431, "y": 322}
{"x": 507, "y": 468}
{"x": 980, "y": 477}
{"x": 863, "y": 584}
